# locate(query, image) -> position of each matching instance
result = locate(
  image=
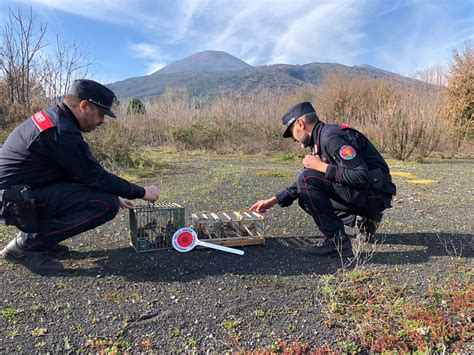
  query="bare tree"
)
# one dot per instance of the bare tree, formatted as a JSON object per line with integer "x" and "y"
{"x": 434, "y": 75}
{"x": 21, "y": 38}
{"x": 29, "y": 75}
{"x": 69, "y": 61}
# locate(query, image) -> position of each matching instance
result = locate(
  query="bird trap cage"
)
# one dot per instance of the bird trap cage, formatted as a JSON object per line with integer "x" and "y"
{"x": 230, "y": 228}
{"x": 152, "y": 226}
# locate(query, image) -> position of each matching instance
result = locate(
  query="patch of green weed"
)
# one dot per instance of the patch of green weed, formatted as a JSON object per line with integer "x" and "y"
{"x": 284, "y": 158}
{"x": 383, "y": 318}
{"x": 231, "y": 324}
{"x": 10, "y": 312}
{"x": 269, "y": 173}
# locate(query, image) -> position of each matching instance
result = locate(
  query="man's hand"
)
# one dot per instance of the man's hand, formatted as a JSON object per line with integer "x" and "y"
{"x": 263, "y": 205}
{"x": 124, "y": 203}
{"x": 151, "y": 193}
{"x": 314, "y": 162}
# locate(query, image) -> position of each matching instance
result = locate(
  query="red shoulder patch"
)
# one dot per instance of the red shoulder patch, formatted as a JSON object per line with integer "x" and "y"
{"x": 42, "y": 121}
{"x": 344, "y": 126}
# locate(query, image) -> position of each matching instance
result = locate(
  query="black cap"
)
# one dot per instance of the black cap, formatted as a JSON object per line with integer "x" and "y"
{"x": 95, "y": 93}
{"x": 293, "y": 113}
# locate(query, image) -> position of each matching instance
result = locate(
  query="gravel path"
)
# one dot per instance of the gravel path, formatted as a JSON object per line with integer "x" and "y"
{"x": 110, "y": 297}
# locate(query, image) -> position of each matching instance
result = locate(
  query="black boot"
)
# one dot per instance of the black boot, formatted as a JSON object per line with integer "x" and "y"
{"x": 36, "y": 260}
{"x": 336, "y": 246}
{"x": 367, "y": 227}
{"x": 58, "y": 250}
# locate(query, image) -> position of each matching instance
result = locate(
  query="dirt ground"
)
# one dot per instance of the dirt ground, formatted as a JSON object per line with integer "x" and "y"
{"x": 110, "y": 297}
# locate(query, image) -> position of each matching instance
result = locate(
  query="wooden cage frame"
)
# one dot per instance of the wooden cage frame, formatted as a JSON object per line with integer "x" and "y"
{"x": 234, "y": 228}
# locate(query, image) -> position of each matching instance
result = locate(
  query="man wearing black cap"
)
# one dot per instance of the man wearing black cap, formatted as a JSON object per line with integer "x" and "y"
{"x": 51, "y": 187}
{"x": 345, "y": 181}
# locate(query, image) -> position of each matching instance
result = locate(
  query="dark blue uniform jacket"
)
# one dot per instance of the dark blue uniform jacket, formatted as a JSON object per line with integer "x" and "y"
{"x": 41, "y": 155}
{"x": 358, "y": 173}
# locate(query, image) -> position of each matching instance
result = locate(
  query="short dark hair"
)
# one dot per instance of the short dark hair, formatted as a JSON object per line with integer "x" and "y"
{"x": 310, "y": 117}
{"x": 72, "y": 101}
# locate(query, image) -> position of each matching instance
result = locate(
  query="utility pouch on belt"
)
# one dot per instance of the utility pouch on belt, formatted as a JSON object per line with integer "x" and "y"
{"x": 18, "y": 208}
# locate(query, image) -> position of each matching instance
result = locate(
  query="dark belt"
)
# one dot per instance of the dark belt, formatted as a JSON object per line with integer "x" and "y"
{"x": 17, "y": 193}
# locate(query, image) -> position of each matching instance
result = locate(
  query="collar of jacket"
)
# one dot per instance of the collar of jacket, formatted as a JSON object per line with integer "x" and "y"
{"x": 68, "y": 113}
{"x": 315, "y": 143}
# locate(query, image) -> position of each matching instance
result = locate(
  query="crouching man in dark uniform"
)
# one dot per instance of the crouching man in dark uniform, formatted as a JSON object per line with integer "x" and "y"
{"x": 51, "y": 187}
{"x": 345, "y": 181}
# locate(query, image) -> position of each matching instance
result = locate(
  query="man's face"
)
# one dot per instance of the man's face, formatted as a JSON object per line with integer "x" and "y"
{"x": 91, "y": 116}
{"x": 299, "y": 133}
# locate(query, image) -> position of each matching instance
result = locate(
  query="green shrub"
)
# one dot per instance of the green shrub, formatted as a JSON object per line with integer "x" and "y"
{"x": 225, "y": 136}
{"x": 199, "y": 135}
{"x": 115, "y": 145}
{"x": 136, "y": 106}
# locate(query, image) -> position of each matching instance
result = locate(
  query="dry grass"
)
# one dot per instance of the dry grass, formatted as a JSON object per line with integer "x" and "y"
{"x": 406, "y": 121}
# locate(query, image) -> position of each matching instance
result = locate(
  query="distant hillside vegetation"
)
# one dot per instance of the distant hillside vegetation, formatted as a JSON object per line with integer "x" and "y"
{"x": 209, "y": 73}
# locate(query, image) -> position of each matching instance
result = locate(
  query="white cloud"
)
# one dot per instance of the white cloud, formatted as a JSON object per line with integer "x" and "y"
{"x": 252, "y": 60}
{"x": 426, "y": 38}
{"x": 264, "y": 31}
{"x": 145, "y": 14}
{"x": 154, "y": 66}
{"x": 170, "y": 19}
{"x": 250, "y": 29}
{"x": 152, "y": 55}
{"x": 328, "y": 32}
{"x": 145, "y": 50}
{"x": 299, "y": 31}
{"x": 287, "y": 31}
{"x": 188, "y": 10}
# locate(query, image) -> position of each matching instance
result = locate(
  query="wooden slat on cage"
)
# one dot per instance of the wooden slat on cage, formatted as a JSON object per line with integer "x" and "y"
{"x": 230, "y": 228}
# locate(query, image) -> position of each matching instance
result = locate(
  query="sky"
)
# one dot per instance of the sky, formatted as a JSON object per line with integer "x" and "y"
{"x": 128, "y": 38}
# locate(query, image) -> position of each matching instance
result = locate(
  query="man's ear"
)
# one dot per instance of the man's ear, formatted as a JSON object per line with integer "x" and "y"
{"x": 300, "y": 123}
{"x": 83, "y": 105}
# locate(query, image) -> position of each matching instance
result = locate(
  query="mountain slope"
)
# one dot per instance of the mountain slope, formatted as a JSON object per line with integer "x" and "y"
{"x": 204, "y": 61}
{"x": 211, "y": 72}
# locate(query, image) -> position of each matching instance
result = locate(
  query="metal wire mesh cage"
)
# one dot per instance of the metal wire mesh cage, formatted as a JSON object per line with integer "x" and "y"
{"x": 152, "y": 226}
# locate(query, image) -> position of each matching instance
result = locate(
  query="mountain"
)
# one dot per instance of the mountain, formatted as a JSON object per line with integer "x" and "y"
{"x": 204, "y": 61}
{"x": 209, "y": 73}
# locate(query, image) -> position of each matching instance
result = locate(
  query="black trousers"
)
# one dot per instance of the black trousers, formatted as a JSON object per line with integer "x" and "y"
{"x": 334, "y": 205}
{"x": 67, "y": 209}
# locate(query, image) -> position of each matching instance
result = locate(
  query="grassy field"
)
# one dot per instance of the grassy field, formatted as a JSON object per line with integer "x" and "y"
{"x": 411, "y": 292}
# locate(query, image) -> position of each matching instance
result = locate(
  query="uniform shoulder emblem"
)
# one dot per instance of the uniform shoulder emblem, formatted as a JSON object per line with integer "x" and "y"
{"x": 347, "y": 152}
{"x": 42, "y": 121}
